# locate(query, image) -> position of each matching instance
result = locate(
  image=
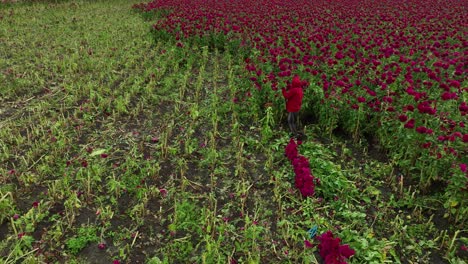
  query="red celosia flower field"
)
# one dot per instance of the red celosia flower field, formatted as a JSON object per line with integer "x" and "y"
{"x": 392, "y": 68}
{"x": 403, "y": 63}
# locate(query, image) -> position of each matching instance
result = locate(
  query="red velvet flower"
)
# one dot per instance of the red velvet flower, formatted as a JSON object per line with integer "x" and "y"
{"x": 403, "y": 118}
{"x": 331, "y": 251}
{"x": 410, "y": 124}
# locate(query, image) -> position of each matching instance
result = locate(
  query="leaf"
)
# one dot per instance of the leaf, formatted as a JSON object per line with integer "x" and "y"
{"x": 172, "y": 227}
{"x": 155, "y": 260}
{"x": 453, "y": 203}
{"x": 97, "y": 152}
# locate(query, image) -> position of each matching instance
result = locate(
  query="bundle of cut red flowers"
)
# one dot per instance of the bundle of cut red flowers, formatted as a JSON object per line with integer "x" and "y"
{"x": 304, "y": 180}
{"x": 331, "y": 251}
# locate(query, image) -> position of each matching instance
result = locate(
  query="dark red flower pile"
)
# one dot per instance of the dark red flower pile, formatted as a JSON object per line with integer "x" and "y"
{"x": 331, "y": 250}
{"x": 304, "y": 180}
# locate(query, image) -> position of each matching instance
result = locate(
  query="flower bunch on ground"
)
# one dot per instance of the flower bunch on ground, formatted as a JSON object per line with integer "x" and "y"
{"x": 331, "y": 250}
{"x": 304, "y": 180}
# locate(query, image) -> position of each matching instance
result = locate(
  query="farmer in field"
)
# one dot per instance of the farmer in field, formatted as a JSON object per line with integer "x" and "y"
{"x": 293, "y": 94}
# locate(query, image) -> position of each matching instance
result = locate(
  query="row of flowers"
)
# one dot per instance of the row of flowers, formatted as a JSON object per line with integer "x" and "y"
{"x": 304, "y": 180}
{"x": 330, "y": 248}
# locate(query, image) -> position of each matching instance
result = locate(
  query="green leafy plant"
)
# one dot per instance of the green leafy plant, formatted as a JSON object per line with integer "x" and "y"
{"x": 6, "y": 205}
{"x": 85, "y": 236}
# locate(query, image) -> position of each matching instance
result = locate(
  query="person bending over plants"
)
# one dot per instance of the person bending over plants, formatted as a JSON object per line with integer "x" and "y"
{"x": 293, "y": 94}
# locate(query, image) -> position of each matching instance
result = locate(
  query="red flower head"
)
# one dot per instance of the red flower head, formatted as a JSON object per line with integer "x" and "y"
{"x": 291, "y": 150}
{"x": 421, "y": 130}
{"x": 463, "y": 167}
{"x": 163, "y": 192}
{"x": 403, "y": 118}
{"x": 410, "y": 123}
{"x": 308, "y": 244}
{"x": 331, "y": 250}
{"x": 308, "y": 189}
{"x": 426, "y": 145}
{"x": 463, "y": 107}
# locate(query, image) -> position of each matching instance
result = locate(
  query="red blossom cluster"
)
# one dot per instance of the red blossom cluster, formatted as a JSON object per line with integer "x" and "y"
{"x": 304, "y": 180}
{"x": 331, "y": 250}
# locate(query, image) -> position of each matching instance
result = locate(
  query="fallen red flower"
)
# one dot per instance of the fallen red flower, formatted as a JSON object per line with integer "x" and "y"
{"x": 331, "y": 250}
